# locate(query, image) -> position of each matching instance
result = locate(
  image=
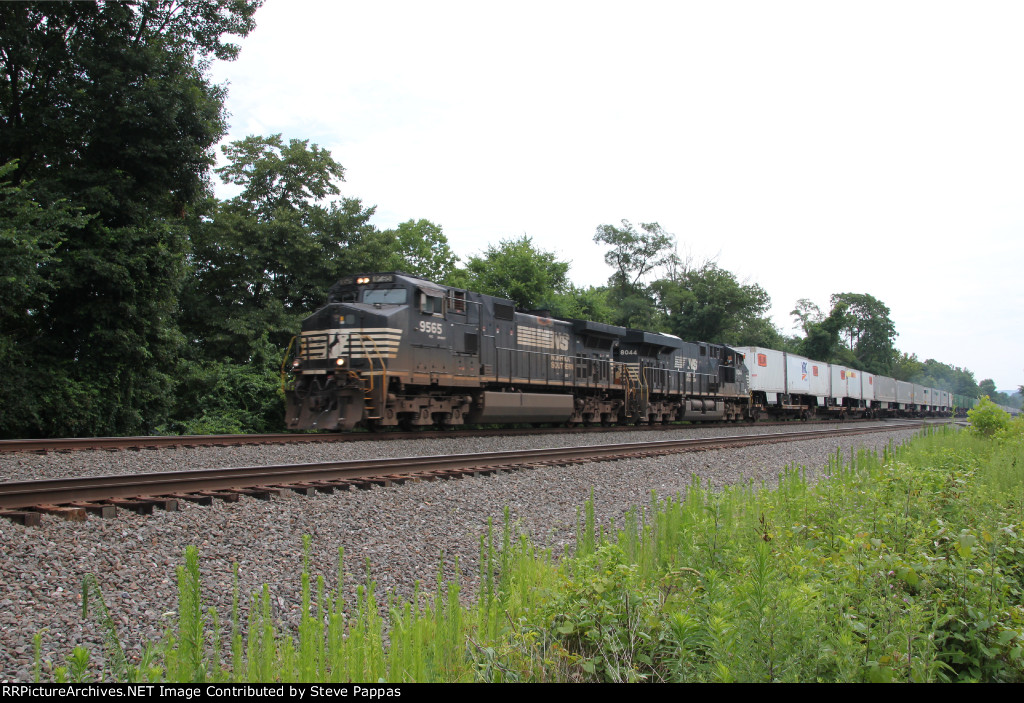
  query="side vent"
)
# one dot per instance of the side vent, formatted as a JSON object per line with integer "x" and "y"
{"x": 504, "y": 312}
{"x": 471, "y": 343}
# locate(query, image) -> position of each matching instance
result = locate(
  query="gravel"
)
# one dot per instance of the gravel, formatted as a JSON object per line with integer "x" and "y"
{"x": 407, "y": 532}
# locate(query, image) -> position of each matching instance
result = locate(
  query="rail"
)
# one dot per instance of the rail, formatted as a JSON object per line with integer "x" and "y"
{"x": 22, "y": 494}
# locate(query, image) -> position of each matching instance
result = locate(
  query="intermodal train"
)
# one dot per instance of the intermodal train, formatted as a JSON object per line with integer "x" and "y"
{"x": 391, "y": 349}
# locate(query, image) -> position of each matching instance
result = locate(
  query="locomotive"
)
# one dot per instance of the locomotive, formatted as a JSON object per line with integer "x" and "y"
{"x": 391, "y": 349}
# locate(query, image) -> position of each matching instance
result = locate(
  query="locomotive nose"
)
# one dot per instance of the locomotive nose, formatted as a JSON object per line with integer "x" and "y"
{"x": 343, "y": 337}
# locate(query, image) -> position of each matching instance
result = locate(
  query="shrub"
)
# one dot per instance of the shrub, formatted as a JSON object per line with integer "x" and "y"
{"x": 988, "y": 418}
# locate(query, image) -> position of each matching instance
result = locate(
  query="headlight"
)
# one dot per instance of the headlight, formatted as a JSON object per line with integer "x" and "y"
{"x": 339, "y": 362}
{"x": 296, "y": 364}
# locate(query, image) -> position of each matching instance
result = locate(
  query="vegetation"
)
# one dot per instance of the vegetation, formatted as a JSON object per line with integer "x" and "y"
{"x": 988, "y": 419}
{"x": 904, "y": 567}
{"x": 133, "y": 301}
{"x": 108, "y": 120}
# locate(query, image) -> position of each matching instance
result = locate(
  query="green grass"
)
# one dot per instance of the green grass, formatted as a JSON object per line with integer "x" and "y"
{"x": 903, "y": 567}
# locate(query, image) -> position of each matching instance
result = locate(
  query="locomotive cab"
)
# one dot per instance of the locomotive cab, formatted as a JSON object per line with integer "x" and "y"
{"x": 345, "y": 350}
{"x": 381, "y": 339}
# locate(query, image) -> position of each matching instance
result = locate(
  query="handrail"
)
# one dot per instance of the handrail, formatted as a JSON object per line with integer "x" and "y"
{"x": 383, "y": 369}
{"x": 284, "y": 361}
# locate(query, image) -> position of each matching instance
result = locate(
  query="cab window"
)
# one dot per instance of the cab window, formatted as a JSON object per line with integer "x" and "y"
{"x": 386, "y": 296}
{"x": 431, "y": 305}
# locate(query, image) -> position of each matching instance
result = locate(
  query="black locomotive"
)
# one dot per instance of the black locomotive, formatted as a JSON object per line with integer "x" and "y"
{"x": 391, "y": 349}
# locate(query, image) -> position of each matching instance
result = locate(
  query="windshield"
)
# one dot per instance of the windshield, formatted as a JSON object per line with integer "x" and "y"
{"x": 388, "y": 296}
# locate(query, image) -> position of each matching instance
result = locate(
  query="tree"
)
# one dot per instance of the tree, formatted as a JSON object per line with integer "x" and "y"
{"x": 987, "y": 418}
{"x": 31, "y": 235}
{"x": 634, "y": 255}
{"x": 907, "y": 367}
{"x": 934, "y": 374}
{"x": 420, "y": 248}
{"x": 106, "y": 106}
{"x": 516, "y": 270}
{"x": 760, "y": 332}
{"x": 260, "y": 262}
{"x": 988, "y": 388}
{"x": 822, "y": 342}
{"x": 264, "y": 259}
{"x": 709, "y": 304}
{"x": 275, "y": 176}
{"x": 807, "y": 312}
{"x": 868, "y": 331}
{"x": 589, "y": 303}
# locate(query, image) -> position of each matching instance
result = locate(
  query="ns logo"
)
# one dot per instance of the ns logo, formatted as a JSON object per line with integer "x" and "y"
{"x": 561, "y": 342}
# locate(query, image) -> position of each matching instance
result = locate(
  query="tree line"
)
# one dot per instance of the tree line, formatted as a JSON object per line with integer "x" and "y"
{"x": 134, "y": 301}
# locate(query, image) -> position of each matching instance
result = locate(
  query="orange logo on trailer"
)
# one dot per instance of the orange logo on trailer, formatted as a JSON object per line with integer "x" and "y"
{"x": 814, "y": 370}
{"x": 842, "y": 375}
{"x": 762, "y": 359}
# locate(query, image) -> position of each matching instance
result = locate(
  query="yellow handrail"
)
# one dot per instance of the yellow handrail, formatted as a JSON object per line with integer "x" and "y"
{"x": 284, "y": 361}
{"x": 383, "y": 368}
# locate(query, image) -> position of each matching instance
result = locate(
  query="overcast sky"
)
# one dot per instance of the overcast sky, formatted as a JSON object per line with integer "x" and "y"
{"x": 811, "y": 147}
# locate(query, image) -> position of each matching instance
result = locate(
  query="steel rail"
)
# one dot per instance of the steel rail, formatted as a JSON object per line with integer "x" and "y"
{"x": 66, "y": 444}
{"x": 22, "y": 494}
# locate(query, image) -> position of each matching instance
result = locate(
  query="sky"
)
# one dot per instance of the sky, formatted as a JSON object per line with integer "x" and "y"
{"x": 809, "y": 147}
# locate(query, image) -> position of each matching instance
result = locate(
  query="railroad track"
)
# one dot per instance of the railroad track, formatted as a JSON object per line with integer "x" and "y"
{"x": 68, "y": 444}
{"x": 26, "y": 501}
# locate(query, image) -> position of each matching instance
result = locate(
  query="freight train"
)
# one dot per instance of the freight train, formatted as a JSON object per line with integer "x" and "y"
{"x": 391, "y": 349}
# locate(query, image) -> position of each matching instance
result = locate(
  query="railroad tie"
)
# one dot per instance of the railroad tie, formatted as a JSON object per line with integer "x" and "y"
{"x": 303, "y": 489}
{"x": 163, "y": 502}
{"x": 194, "y": 498}
{"x": 324, "y": 486}
{"x": 98, "y": 509}
{"x": 142, "y": 507}
{"x": 260, "y": 492}
{"x": 63, "y": 511}
{"x": 226, "y": 496}
{"x": 23, "y": 517}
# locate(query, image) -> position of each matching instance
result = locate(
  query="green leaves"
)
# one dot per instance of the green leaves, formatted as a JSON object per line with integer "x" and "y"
{"x": 635, "y": 254}
{"x": 709, "y": 304}
{"x": 275, "y": 176}
{"x": 515, "y": 269}
{"x": 420, "y": 248}
{"x": 987, "y": 418}
{"x": 109, "y": 113}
